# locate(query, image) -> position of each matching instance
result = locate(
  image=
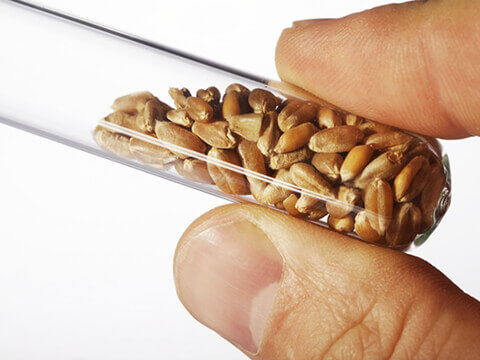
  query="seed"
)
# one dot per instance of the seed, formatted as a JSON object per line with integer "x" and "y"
{"x": 337, "y": 139}
{"x": 262, "y": 101}
{"x": 211, "y": 95}
{"x": 154, "y": 111}
{"x": 179, "y": 96}
{"x": 252, "y": 159}
{"x": 379, "y": 205}
{"x": 418, "y": 149}
{"x": 289, "y": 205}
{"x": 246, "y": 125}
{"x": 318, "y": 214}
{"x": 282, "y": 161}
{"x": 243, "y": 94}
{"x": 295, "y": 138}
{"x": 151, "y": 154}
{"x": 372, "y": 127}
{"x": 380, "y": 141}
{"x": 128, "y": 103}
{"x": 216, "y": 134}
{"x": 229, "y": 181}
{"x": 296, "y": 113}
{"x": 176, "y": 135}
{"x": 353, "y": 120}
{"x": 364, "y": 229}
{"x": 276, "y": 192}
{"x": 199, "y": 110}
{"x": 179, "y": 117}
{"x": 194, "y": 169}
{"x": 237, "y": 88}
{"x": 231, "y": 105}
{"x": 386, "y": 167}
{"x": 280, "y": 206}
{"x": 431, "y": 194}
{"x": 407, "y": 219}
{"x": 355, "y": 161}
{"x": 306, "y": 204}
{"x": 112, "y": 142}
{"x": 412, "y": 179}
{"x": 343, "y": 225}
{"x": 269, "y": 134}
{"x": 123, "y": 119}
{"x": 327, "y": 118}
{"x": 347, "y": 198}
{"x": 306, "y": 177}
{"x": 328, "y": 164}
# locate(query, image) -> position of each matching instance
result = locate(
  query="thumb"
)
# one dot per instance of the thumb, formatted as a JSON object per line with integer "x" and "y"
{"x": 280, "y": 288}
{"x": 411, "y": 65}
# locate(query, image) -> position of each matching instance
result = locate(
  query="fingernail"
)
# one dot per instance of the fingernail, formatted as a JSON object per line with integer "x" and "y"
{"x": 227, "y": 277}
{"x": 303, "y": 23}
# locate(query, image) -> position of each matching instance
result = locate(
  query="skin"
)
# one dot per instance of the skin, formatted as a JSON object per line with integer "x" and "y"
{"x": 333, "y": 297}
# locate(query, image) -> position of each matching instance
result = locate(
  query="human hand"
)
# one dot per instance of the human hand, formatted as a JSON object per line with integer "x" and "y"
{"x": 280, "y": 288}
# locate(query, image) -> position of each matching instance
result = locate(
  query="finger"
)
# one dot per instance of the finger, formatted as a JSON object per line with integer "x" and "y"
{"x": 281, "y": 288}
{"x": 412, "y": 65}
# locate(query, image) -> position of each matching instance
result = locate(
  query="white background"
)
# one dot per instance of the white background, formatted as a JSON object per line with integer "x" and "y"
{"x": 86, "y": 245}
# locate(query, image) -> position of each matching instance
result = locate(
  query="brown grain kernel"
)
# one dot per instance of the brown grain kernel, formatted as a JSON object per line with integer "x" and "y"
{"x": 371, "y": 127}
{"x": 275, "y": 192}
{"x": 270, "y": 134}
{"x": 252, "y": 159}
{"x": 154, "y": 111}
{"x": 318, "y": 213}
{"x": 407, "y": 219}
{"x": 355, "y": 162}
{"x": 353, "y": 120}
{"x": 179, "y": 117}
{"x": 123, "y": 119}
{"x": 216, "y": 134}
{"x": 229, "y": 181}
{"x": 280, "y": 206}
{"x": 346, "y": 200}
{"x": 181, "y": 137}
{"x": 418, "y": 149}
{"x": 128, "y": 103}
{"x": 151, "y": 154}
{"x": 328, "y": 164}
{"x": 306, "y": 177}
{"x": 179, "y": 96}
{"x": 327, "y": 118}
{"x": 296, "y": 113}
{"x": 379, "y": 205}
{"x": 211, "y": 95}
{"x": 338, "y": 139}
{"x": 412, "y": 179}
{"x": 247, "y": 126}
{"x": 282, "y": 161}
{"x": 289, "y": 205}
{"x": 295, "y": 138}
{"x": 431, "y": 194}
{"x": 343, "y": 225}
{"x": 306, "y": 204}
{"x": 262, "y": 101}
{"x": 231, "y": 105}
{"x": 112, "y": 142}
{"x": 199, "y": 110}
{"x": 194, "y": 169}
{"x": 380, "y": 141}
{"x": 385, "y": 167}
{"x": 364, "y": 229}
{"x": 238, "y": 88}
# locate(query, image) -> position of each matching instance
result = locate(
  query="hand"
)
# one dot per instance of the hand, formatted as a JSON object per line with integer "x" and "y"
{"x": 281, "y": 288}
